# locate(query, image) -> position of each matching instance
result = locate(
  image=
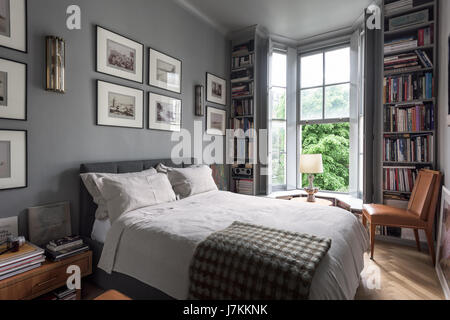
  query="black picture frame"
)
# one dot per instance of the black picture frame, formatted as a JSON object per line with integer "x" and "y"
{"x": 97, "y": 27}
{"x": 26, "y": 91}
{"x": 26, "y": 159}
{"x": 148, "y": 112}
{"x": 148, "y": 70}
{"x": 207, "y": 125}
{"x": 26, "y": 33}
{"x": 112, "y": 126}
{"x": 207, "y": 89}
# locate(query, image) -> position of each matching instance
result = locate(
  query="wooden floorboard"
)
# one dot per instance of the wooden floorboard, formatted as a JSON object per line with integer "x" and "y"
{"x": 404, "y": 273}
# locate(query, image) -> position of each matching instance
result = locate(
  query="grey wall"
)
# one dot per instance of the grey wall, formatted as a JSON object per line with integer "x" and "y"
{"x": 444, "y": 130}
{"x": 61, "y": 128}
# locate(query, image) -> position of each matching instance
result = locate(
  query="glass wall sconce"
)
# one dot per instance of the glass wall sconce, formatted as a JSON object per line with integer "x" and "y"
{"x": 199, "y": 101}
{"x": 56, "y": 64}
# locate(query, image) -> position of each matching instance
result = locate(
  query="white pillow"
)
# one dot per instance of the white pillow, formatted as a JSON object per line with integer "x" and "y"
{"x": 123, "y": 195}
{"x": 89, "y": 180}
{"x": 190, "y": 181}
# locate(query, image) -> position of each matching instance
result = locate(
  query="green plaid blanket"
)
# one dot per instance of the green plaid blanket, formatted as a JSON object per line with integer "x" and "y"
{"x": 248, "y": 262}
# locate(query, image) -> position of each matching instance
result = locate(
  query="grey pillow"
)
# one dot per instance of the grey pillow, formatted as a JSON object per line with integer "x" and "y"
{"x": 190, "y": 181}
{"x": 89, "y": 180}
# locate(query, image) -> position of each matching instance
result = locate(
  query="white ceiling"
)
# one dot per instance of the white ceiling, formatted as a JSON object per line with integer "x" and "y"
{"x": 293, "y": 19}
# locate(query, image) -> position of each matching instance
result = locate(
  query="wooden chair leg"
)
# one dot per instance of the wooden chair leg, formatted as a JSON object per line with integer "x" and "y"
{"x": 430, "y": 240}
{"x": 416, "y": 235}
{"x": 364, "y": 220}
{"x": 372, "y": 239}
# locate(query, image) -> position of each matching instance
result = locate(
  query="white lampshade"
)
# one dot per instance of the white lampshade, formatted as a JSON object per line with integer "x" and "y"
{"x": 311, "y": 163}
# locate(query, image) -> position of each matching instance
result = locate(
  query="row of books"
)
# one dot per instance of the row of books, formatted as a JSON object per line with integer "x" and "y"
{"x": 407, "y": 60}
{"x": 244, "y": 150}
{"x": 28, "y": 257}
{"x": 408, "y": 148}
{"x": 244, "y": 186}
{"x": 242, "y": 74}
{"x": 242, "y": 61}
{"x": 408, "y": 88}
{"x": 409, "y": 118}
{"x": 62, "y": 293}
{"x": 243, "y": 107}
{"x": 399, "y": 179}
{"x": 244, "y": 48}
{"x": 246, "y": 124}
{"x": 404, "y": 43}
{"x": 425, "y": 37}
{"x": 409, "y": 20}
{"x": 64, "y": 248}
{"x": 242, "y": 89}
{"x": 397, "y": 6}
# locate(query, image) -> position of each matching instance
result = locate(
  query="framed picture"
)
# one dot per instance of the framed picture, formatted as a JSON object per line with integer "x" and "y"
{"x": 164, "y": 71}
{"x": 443, "y": 247}
{"x": 119, "y": 56}
{"x": 216, "y": 89}
{"x": 13, "y": 159}
{"x": 49, "y": 222}
{"x": 13, "y": 24}
{"x": 119, "y": 106}
{"x": 164, "y": 113}
{"x": 13, "y": 90}
{"x": 216, "y": 122}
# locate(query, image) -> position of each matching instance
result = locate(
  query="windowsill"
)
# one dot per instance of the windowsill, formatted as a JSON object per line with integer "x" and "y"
{"x": 354, "y": 203}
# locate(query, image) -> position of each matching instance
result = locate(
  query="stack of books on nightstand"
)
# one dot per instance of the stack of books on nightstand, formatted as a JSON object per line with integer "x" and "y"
{"x": 64, "y": 248}
{"x": 27, "y": 258}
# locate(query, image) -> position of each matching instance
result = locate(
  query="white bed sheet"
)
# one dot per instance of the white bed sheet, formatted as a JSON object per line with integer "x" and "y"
{"x": 155, "y": 244}
{"x": 100, "y": 230}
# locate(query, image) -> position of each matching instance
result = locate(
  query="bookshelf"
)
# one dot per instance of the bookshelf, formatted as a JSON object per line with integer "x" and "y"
{"x": 409, "y": 104}
{"x": 247, "y": 58}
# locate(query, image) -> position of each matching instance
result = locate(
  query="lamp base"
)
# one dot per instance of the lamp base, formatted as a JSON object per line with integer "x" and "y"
{"x": 311, "y": 194}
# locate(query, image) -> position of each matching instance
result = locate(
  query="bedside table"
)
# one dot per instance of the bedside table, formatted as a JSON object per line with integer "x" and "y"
{"x": 46, "y": 278}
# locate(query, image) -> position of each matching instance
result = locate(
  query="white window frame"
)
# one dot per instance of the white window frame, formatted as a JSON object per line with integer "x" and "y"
{"x": 272, "y": 120}
{"x": 301, "y": 122}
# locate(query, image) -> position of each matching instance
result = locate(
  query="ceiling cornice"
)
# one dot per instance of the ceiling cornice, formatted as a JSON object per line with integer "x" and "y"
{"x": 189, "y": 7}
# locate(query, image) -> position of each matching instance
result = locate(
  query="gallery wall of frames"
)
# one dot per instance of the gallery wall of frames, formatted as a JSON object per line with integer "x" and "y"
{"x": 101, "y": 93}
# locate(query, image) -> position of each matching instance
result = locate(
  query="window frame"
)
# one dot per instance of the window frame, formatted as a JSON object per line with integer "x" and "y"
{"x": 279, "y": 187}
{"x": 324, "y": 120}
{"x": 323, "y": 51}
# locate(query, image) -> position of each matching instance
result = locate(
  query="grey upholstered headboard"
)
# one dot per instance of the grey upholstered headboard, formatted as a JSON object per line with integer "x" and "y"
{"x": 87, "y": 205}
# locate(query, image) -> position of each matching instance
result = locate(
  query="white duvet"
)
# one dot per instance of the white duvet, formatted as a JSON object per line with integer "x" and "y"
{"x": 155, "y": 244}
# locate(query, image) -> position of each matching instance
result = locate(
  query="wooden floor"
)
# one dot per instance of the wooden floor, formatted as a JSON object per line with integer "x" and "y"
{"x": 404, "y": 273}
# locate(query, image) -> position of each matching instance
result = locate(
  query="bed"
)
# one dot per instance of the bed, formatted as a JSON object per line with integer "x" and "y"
{"x": 171, "y": 232}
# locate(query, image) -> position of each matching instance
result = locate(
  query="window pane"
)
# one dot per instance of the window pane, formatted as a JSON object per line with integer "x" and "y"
{"x": 312, "y": 71}
{"x": 279, "y": 62}
{"x": 337, "y": 101}
{"x": 337, "y": 66}
{"x": 278, "y": 153}
{"x": 332, "y": 141}
{"x": 278, "y": 96}
{"x": 311, "y": 104}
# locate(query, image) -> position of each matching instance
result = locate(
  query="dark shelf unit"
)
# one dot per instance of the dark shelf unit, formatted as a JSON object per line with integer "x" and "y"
{"x": 432, "y": 52}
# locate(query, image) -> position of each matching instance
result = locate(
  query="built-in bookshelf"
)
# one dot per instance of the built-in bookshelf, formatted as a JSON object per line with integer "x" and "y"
{"x": 409, "y": 95}
{"x": 245, "y": 58}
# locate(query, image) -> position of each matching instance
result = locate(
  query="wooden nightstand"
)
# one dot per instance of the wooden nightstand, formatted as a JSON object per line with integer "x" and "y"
{"x": 42, "y": 280}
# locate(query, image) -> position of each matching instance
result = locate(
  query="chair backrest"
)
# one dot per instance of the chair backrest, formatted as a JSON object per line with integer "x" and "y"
{"x": 423, "y": 193}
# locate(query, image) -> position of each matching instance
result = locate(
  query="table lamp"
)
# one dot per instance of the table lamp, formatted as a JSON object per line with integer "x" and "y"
{"x": 311, "y": 164}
